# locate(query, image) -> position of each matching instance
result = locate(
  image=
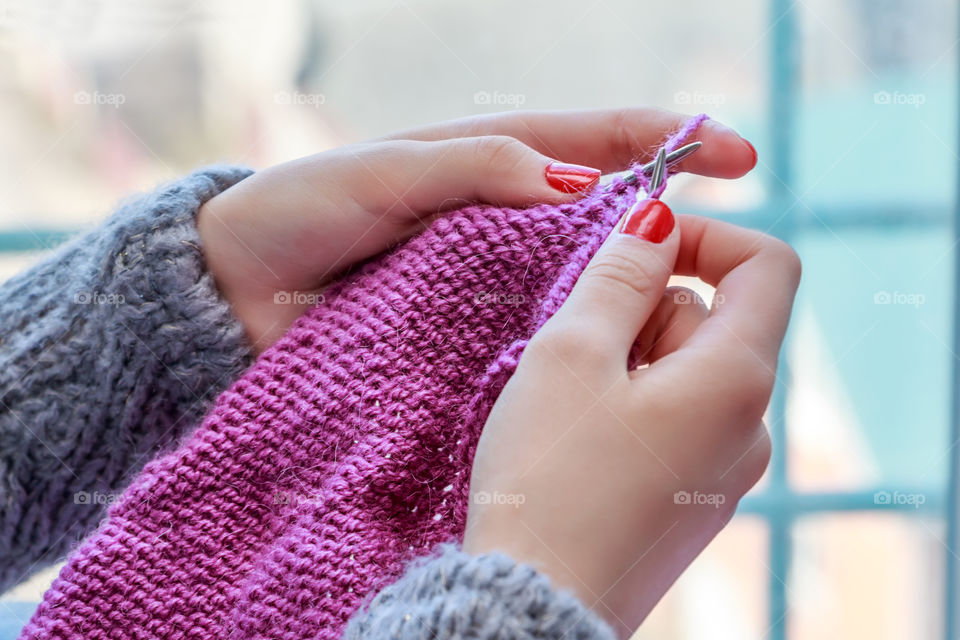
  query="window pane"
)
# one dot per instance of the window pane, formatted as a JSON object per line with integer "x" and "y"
{"x": 879, "y": 92}
{"x": 876, "y": 576}
{"x": 870, "y": 395}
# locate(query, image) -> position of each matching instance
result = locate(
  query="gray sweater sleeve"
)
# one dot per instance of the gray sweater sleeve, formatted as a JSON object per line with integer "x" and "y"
{"x": 487, "y": 597}
{"x": 110, "y": 349}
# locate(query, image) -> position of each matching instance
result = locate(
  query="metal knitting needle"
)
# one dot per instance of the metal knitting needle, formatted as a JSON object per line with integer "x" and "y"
{"x": 672, "y": 158}
{"x": 659, "y": 171}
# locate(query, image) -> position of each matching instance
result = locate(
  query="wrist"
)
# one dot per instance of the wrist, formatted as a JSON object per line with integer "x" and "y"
{"x": 224, "y": 258}
{"x": 522, "y": 546}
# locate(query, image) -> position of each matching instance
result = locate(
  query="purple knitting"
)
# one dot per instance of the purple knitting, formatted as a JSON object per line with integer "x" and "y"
{"x": 345, "y": 451}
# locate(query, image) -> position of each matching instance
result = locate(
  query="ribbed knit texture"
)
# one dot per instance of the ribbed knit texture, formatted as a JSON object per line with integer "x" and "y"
{"x": 344, "y": 451}
{"x": 110, "y": 349}
{"x": 488, "y": 597}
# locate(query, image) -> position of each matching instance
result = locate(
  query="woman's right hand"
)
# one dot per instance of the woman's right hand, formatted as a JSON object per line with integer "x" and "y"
{"x": 612, "y": 481}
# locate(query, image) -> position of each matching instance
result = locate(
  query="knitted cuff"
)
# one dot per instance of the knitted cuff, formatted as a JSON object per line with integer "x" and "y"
{"x": 487, "y": 597}
{"x": 110, "y": 349}
{"x": 170, "y": 301}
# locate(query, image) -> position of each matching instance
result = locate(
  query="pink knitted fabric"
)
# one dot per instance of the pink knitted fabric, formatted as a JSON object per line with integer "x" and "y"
{"x": 344, "y": 451}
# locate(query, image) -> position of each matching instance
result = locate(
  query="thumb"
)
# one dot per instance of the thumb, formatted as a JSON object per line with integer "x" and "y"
{"x": 623, "y": 283}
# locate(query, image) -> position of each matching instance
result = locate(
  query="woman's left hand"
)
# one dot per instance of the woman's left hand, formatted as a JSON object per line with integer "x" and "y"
{"x": 276, "y": 239}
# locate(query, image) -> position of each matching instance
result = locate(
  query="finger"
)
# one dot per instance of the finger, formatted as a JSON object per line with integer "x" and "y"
{"x": 622, "y": 284}
{"x": 410, "y": 176}
{"x": 609, "y": 139}
{"x": 403, "y": 184}
{"x": 756, "y": 277}
{"x": 676, "y": 317}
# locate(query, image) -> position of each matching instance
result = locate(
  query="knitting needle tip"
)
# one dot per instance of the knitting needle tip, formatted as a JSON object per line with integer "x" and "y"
{"x": 678, "y": 155}
{"x": 673, "y": 158}
{"x": 659, "y": 171}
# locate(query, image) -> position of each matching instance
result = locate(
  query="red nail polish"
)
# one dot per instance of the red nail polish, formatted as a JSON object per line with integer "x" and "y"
{"x": 752, "y": 149}
{"x": 571, "y": 178}
{"x": 649, "y": 220}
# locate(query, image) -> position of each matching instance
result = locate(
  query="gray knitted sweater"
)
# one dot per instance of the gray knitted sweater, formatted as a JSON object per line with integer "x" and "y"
{"x": 113, "y": 347}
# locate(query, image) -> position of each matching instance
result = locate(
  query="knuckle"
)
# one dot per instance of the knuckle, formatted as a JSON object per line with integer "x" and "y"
{"x": 785, "y": 256}
{"x": 757, "y": 458}
{"x": 624, "y": 136}
{"x": 564, "y": 345}
{"x": 742, "y": 395}
{"x": 751, "y": 391}
{"x": 750, "y": 461}
{"x": 501, "y": 154}
{"x": 622, "y": 273}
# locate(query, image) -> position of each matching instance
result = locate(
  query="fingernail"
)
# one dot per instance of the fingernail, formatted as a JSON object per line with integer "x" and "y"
{"x": 719, "y": 127}
{"x": 571, "y": 178}
{"x": 752, "y": 150}
{"x": 649, "y": 220}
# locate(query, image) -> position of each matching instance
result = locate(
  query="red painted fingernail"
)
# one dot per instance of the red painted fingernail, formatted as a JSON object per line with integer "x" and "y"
{"x": 752, "y": 149}
{"x": 649, "y": 220}
{"x": 571, "y": 178}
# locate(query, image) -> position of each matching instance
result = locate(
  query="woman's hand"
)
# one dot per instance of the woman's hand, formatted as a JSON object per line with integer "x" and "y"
{"x": 611, "y": 481}
{"x": 275, "y": 240}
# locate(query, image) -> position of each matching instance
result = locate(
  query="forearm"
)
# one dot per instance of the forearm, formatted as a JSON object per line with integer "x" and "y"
{"x": 456, "y": 595}
{"x": 109, "y": 350}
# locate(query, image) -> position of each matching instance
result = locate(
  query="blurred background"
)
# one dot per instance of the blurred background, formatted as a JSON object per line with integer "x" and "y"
{"x": 852, "y": 106}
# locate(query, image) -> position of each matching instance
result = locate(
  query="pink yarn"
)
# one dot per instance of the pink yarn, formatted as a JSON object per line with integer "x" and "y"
{"x": 345, "y": 451}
